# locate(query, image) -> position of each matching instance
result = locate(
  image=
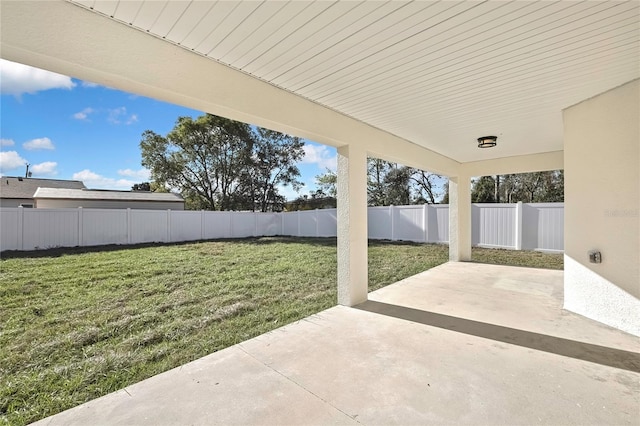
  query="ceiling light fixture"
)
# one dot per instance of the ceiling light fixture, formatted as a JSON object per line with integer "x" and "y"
{"x": 487, "y": 141}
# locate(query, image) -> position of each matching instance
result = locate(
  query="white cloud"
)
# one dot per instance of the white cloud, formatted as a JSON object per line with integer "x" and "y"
{"x": 119, "y": 116}
{"x": 11, "y": 160}
{"x": 96, "y": 181}
{"x": 47, "y": 168}
{"x": 84, "y": 114}
{"x": 18, "y": 79}
{"x": 7, "y": 142}
{"x": 89, "y": 84}
{"x": 320, "y": 155}
{"x": 142, "y": 174}
{"x": 39, "y": 143}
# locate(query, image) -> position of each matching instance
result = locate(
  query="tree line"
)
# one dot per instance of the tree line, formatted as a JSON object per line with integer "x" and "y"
{"x": 387, "y": 184}
{"x": 222, "y": 164}
{"x": 537, "y": 187}
{"x": 392, "y": 184}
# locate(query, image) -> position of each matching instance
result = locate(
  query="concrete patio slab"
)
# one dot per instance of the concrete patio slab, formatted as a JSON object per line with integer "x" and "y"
{"x": 462, "y": 343}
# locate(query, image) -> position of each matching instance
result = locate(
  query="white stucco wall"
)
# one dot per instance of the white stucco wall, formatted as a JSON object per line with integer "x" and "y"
{"x": 602, "y": 201}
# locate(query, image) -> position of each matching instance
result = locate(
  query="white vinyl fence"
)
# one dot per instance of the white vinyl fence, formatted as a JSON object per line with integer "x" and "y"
{"x": 513, "y": 226}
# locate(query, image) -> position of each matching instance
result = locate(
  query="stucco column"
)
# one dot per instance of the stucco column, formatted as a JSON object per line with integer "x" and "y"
{"x": 460, "y": 218}
{"x": 352, "y": 225}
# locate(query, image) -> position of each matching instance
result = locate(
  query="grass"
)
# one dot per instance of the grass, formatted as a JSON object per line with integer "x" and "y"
{"x": 76, "y": 324}
{"x": 532, "y": 259}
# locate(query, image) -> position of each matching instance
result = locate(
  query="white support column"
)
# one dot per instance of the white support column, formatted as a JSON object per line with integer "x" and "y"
{"x": 460, "y": 218}
{"x": 352, "y": 226}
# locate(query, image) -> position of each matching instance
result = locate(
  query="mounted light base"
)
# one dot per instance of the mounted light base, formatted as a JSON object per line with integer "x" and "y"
{"x": 487, "y": 141}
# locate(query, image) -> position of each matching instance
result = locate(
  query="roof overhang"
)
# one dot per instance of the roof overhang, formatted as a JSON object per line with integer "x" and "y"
{"x": 502, "y": 68}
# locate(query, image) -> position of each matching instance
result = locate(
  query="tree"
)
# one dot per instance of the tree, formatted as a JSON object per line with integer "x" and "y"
{"x": 221, "y": 164}
{"x": 389, "y": 183}
{"x": 483, "y": 190}
{"x": 203, "y": 158}
{"x": 397, "y": 185}
{"x": 144, "y": 186}
{"x": 445, "y": 196}
{"x": 327, "y": 183}
{"x": 535, "y": 187}
{"x": 376, "y": 171}
{"x": 274, "y": 161}
{"x": 424, "y": 185}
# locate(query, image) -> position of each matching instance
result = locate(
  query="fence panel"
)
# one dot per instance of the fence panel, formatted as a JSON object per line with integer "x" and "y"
{"x": 438, "y": 231}
{"x": 243, "y": 224}
{"x": 408, "y": 223}
{"x": 529, "y": 226}
{"x": 494, "y": 225}
{"x": 104, "y": 226}
{"x": 49, "y": 228}
{"x": 269, "y": 224}
{"x": 149, "y": 226}
{"x": 308, "y": 224}
{"x": 327, "y": 223}
{"x": 10, "y": 229}
{"x": 543, "y": 227}
{"x": 290, "y": 223}
{"x": 379, "y": 223}
{"x": 217, "y": 225}
{"x": 186, "y": 225}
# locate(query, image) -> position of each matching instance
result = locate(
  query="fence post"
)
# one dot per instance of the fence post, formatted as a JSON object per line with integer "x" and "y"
{"x": 298, "y": 235}
{"x": 20, "y": 228}
{"x": 255, "y": 224}
{"x": 425, "y": 222}
{"x": 281, "y": 223}
{"x": 202, "y": 224}
{"x": 230, "y": 213}
{"x": 80, "y": 226}
{"x": 393, "y": 231}
{"x": 128, "y": 226}
{"x": 169, "y": 225}
{"x": 317, "y": 228}
{"x": 519, "y": 225}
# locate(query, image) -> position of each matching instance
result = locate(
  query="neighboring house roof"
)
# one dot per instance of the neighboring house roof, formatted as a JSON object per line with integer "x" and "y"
{"x": 108, "y": 195}
{"x": 20, "y": 187}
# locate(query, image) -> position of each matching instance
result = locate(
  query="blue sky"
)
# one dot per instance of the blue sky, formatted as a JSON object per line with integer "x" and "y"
{"x": 71, "y": 129}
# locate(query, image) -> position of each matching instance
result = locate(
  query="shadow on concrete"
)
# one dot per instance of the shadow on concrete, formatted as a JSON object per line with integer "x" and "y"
{"x": 611, "y": 357}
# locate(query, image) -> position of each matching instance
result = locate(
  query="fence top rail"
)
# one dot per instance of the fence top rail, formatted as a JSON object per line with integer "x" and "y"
{"x": 412, "y": 206}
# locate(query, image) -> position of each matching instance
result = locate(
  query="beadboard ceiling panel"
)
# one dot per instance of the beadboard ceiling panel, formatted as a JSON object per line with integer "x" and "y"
{"x": 439, "y": 74}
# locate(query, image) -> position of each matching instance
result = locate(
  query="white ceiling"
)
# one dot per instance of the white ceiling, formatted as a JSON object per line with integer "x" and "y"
{"x": 439, "y": 74}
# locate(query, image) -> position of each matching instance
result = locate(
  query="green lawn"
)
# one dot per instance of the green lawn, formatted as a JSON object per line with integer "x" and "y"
{"x": 76, "y": 324}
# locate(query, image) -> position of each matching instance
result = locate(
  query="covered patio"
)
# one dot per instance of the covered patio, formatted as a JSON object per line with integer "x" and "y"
{"x": 415, "y": 83}
{"x": 462, "y": 343}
